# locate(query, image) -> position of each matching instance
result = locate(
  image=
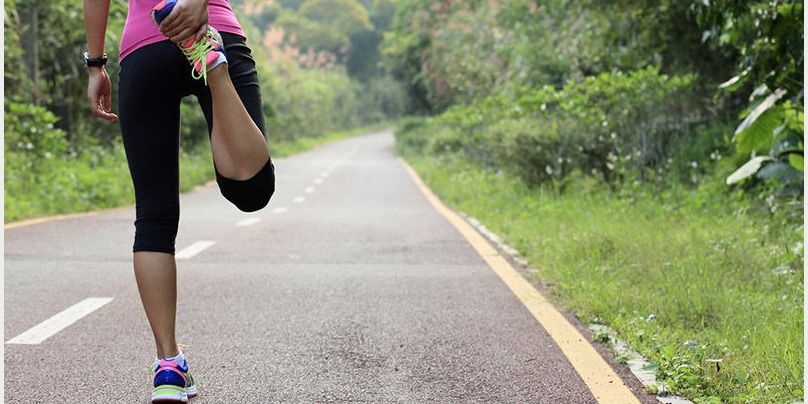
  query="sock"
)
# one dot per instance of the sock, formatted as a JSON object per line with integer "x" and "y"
{"x": 180, "y": 358}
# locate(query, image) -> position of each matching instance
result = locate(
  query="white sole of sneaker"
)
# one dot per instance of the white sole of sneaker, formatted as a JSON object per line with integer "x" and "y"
{"x": 176, "y": 396}
{"x": 166, "y": 400}
{"x": 179, "y": 398}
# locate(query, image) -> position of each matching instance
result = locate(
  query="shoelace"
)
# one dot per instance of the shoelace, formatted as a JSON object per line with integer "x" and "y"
{"x": 197, "y": 53}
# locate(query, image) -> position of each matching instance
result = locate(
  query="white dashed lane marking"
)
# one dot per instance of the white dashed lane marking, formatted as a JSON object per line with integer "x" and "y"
{"x": 309, "y": 190}
{"x": 59, "y": 321}
{"x": 318, "y": 181}
{"x": 325, "y": 174}
{"x": 249, "y": 221}
{"x": 280, "y": 210}
{"x": 194, "y": 249}
{"x": 299, "y": 199}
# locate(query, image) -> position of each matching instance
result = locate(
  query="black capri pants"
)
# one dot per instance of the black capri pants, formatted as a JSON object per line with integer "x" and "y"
{"x": 152, "y": 83}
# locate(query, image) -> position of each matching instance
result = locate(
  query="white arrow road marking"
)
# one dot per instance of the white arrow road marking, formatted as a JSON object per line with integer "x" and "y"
{"x": 193, "y": 249}
{"x": 60, "y": 321}
{"x": 249, "y": 221}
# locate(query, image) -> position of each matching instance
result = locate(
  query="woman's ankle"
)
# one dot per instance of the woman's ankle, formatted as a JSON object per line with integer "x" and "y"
{"x": 168, "y": 351}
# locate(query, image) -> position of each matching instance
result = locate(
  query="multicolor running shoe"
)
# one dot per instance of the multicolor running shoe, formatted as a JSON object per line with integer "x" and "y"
{"x": 173, "y": 382}
{"x": 204, "y": 54}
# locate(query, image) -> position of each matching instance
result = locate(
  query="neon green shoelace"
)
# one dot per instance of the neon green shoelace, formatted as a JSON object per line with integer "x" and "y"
{"x": 197, "y": 53}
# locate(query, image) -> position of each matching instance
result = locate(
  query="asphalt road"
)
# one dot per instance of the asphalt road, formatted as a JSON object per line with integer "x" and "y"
{"x": 348, "y": 287}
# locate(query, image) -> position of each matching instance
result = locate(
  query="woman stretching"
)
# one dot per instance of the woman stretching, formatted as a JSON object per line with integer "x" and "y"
{"x": 169, "y": 51}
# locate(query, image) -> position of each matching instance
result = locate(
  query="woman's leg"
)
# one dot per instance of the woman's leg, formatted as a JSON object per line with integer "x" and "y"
{"x": 232, "y": 107}
{"x": 239, "y": 147}
{"x": 156, "y": 276}
{"x": 150, "y": 90}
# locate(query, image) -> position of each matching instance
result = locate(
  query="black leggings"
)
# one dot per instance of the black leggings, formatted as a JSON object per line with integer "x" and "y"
{"x": 153, "y": 81}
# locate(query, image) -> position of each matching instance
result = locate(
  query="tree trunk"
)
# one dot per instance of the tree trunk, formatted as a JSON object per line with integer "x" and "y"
{"x": 30, "y": 44}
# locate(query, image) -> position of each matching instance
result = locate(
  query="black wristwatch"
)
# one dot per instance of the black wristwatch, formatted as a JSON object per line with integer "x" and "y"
{"x": 94, "y": 62}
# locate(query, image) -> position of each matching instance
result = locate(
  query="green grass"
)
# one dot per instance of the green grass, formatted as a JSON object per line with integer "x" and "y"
{"x": 704, "y": 267}
{"x": 99, "y": 178}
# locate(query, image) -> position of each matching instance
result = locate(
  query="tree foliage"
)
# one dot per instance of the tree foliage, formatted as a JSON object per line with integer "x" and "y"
{"x": 44, "y": 63}
{"x": 769, "y": 37}
{"x": 457, "y": 53}
{"x": 325, "y": 25}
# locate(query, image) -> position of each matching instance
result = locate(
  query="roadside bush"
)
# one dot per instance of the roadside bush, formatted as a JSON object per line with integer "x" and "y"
{"x": 30, "y": 130}
{"x": 614, "y": 126}
{"x": 412, "y": 134}
{"x": 532, "y": 148}
{"x": 95, "y": 179}
{"x": 445, "y": 141}
{"x": 626, "y": 123}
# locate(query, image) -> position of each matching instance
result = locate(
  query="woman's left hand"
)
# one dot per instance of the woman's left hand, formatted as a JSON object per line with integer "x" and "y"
{"x": 188, "y": 19}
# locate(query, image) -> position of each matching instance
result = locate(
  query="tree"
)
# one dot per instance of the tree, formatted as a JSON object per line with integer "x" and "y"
{"x": 343, "y": 16}
{"x": 44, "y": 63}
{"x": 364, "y": 56}
{"x": 325, "y": 25}
{"x": 769, "y": 36}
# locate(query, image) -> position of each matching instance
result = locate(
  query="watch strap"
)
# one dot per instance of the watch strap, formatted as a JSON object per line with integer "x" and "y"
{"x": 95, "y": 62}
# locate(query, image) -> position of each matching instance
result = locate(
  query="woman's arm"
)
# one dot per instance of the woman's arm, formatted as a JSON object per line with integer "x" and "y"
{"x": 96, "y": 14}
{"x": 99, "y": 88}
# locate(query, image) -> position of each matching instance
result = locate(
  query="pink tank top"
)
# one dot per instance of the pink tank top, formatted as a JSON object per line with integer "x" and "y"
{"x": 140, "y": 30}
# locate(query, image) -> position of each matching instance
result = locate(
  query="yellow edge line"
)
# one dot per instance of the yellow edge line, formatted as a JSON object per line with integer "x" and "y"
{"x": 599, "y": 377}
{"x": 38, "y": 220}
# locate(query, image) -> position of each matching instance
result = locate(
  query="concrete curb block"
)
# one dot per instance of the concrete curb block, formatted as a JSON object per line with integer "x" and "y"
{"x": 637, "y": 364}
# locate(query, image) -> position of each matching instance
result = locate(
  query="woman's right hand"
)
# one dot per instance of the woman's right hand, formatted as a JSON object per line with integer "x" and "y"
{"x": 99, "y": 94}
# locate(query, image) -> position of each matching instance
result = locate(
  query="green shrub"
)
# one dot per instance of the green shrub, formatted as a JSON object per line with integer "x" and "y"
{"x": 532, "y": 148}
{"x": 444, "y": 140}
{"x": 29, "y": 129}
{"x": 412, "y": 134}
{"x": 614, "y": 126}
{"x": 97, "y": 178}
